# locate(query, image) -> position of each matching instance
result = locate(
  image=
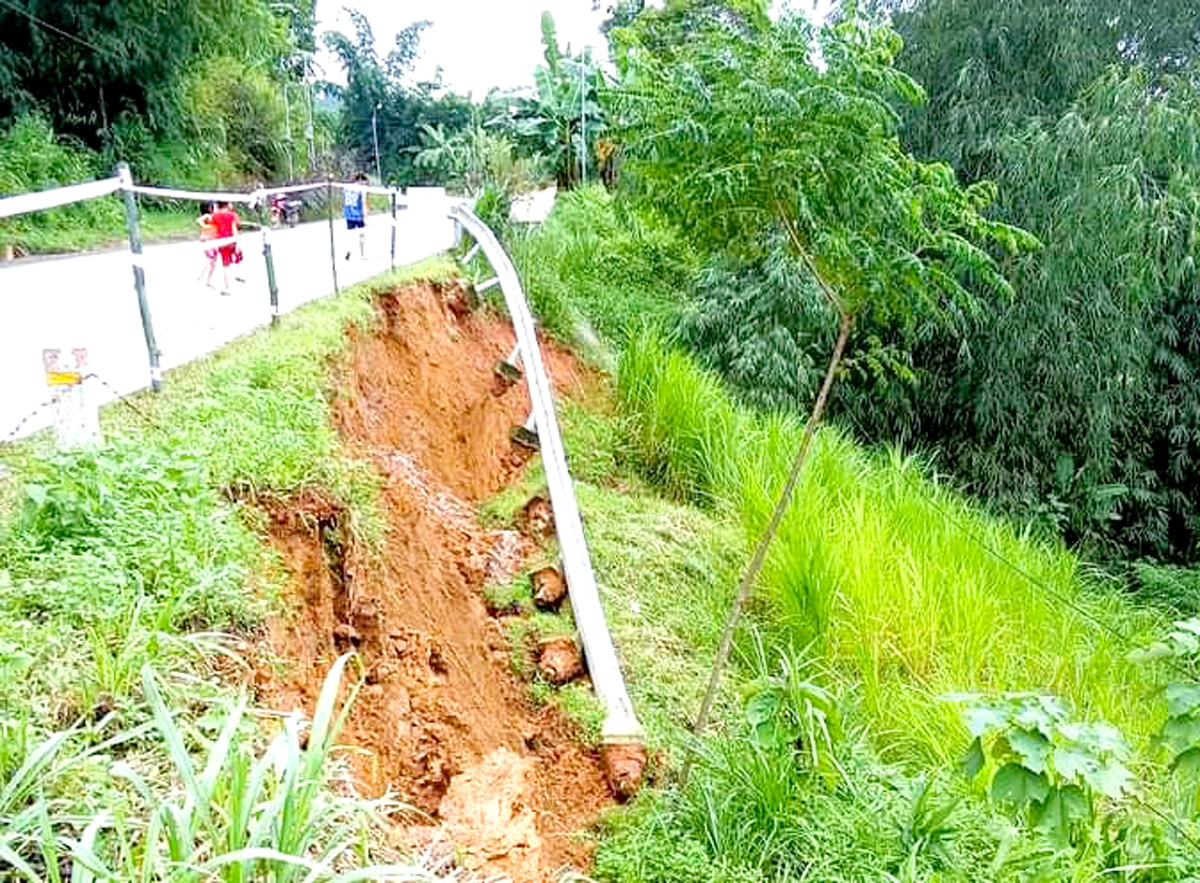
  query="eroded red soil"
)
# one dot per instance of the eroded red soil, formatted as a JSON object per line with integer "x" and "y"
{"x": 442, "y": 723}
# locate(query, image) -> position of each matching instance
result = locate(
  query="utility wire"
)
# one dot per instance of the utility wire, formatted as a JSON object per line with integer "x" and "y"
{"x": 41, "y": 23}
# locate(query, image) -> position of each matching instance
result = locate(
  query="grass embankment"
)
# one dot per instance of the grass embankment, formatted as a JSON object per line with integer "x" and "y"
{"x": 895, "y": 580}
{"x": 131, "y": 559}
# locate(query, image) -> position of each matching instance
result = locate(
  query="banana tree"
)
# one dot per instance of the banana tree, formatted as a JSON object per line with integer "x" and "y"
{"x": 562, "y": 119}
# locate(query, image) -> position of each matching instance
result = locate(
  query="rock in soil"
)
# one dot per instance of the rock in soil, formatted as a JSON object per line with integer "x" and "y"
{"x": 623, "y": 764}
{"x": 488, "y": 812}
{"x": 559, "y": 660}
{"x": 537, "y": 519}
{"x": 548, "y": 588}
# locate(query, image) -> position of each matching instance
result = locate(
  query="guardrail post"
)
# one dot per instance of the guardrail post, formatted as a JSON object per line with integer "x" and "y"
{"x": 139, "y": 273}
{"x": 393, "y": 229}
{"x": 272, "y": 287}
{"x": 332, "y": 240}
{"x": 264, "y": 222}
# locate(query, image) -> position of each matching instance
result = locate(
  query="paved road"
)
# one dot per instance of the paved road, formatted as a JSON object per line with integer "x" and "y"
{"x": 90, "y": 301}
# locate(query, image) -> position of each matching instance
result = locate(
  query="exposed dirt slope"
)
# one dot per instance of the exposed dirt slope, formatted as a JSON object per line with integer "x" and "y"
{"x": 444, "y": 724}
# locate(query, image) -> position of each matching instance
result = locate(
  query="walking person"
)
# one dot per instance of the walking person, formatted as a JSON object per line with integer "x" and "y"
{"x": 228, "y": 224}
{"x": 208, "y": 230}
{"x": 354, "y": 210}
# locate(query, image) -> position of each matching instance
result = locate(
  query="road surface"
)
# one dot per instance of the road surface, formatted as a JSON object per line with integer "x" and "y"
{"x": 89, "y": 301}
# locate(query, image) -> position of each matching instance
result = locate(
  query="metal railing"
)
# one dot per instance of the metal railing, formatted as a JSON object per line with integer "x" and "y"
{"x": 620, "y": 723}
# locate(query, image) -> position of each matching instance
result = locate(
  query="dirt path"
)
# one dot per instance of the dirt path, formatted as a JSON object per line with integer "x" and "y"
{"x": 443, "y": 722}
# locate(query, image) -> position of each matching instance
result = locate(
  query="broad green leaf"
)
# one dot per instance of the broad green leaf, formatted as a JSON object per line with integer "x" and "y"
{"x": 1187, "y": 763}
{"x": 1182, "y": 699}
{"x": 1073, "y": 763}
{"x": 762, "y": 707}
{"x": 1034, "y": 748}
{"x": 972, "y": 763}
{"x": 1050, "y": 818}
{"x": 1015, "y": 784}
{"x": 982, "y": 719}
{"x": 1113, "y": 779}
{"x": 1181, "y": 732}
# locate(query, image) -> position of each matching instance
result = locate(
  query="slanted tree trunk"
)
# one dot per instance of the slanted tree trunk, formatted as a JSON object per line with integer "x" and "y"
{"x": 764, "y": 543}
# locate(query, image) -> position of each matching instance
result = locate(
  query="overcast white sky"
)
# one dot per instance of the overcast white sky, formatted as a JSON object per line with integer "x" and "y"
{"x": 479, "y": 43}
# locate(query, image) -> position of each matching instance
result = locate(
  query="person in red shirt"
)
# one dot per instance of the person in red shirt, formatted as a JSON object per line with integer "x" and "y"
{"x": 226, "y": 220}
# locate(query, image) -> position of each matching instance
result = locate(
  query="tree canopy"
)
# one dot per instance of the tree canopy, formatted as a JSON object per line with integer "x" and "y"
{"x": 986, "y": 66}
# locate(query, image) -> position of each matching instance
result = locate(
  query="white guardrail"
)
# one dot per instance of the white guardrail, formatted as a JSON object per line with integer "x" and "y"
{"x": 621, "y": 726}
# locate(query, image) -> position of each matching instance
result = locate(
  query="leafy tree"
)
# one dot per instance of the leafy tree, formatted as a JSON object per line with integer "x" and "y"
{"x": 1078, "y": 403}
{"x": 762, "y": 324}
{"x": 87, "y": 63}
{"x": 380, "y": 90}
{"x": 744, "y": 136}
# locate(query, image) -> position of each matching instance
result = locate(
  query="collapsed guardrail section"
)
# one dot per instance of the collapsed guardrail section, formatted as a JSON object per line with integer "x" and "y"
{"x": 622, "y": 737}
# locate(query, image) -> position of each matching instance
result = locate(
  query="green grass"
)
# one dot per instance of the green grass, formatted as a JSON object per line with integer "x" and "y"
{"x": 883, "y": 578}
{"x": 42, "y": 234}
{"x": 593, "y": 263}
{"x": 890, "y": 572}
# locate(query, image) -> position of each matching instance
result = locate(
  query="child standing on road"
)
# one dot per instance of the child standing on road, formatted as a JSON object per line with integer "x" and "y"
{"x": 208, "y": 230}
{"x": 354, "y": 210}
{"x": 226, "y": 220}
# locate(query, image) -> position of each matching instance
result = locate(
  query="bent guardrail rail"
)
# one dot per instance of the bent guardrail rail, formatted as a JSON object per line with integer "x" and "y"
{"x": 622, "y": 736}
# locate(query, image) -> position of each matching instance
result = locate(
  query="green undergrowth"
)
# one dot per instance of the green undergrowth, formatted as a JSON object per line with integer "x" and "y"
{"x": 805, "y": 772}
{"x": 836, "y": 746}
{"x": 752, "y": 810}
{"x": 145, "y": 555}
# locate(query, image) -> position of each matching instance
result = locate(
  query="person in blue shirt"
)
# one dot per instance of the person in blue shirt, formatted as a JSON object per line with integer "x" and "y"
{"x": 354, "y": 210}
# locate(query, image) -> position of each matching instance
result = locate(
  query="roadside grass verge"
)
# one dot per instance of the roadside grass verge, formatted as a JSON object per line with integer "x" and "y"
{"x": 58, "y": 232}
{"x": 892, "y": 575}
{"x": 137, "y": 561}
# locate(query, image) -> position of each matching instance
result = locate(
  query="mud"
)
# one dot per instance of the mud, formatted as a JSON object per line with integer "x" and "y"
{"x": 441, "y": 722}
{"x": 624, "y": 763}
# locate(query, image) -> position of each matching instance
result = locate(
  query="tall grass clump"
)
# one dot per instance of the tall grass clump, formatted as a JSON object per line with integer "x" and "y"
{"x": 902, "y": 584}
{"x": 598, "y": 261}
